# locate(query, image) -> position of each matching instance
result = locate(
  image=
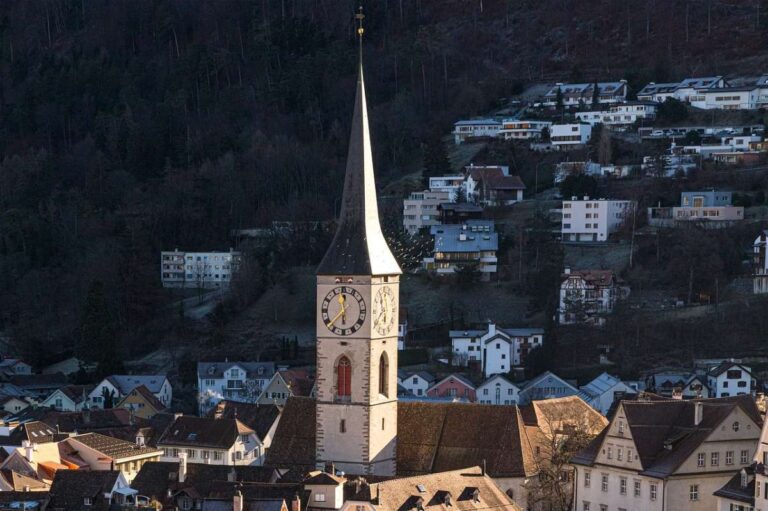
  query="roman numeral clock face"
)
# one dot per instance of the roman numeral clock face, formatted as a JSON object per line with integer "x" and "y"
{"x": 343, "y": 310}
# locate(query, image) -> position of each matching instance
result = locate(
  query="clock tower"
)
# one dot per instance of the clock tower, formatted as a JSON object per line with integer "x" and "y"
{"x": 356, "y": 311}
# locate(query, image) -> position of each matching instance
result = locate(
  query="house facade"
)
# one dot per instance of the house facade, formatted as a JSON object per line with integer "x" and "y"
{"x": 69, "y": 399}
{"x": 605, "y": 389}
{"x": 473, "y": 244}
{"x": 498, "y": 390}
{"x": 514, "y": 129}
{"x": 667, "y": 455}
{"x": 102, "y": 452}
{"x": 211, "y": 441}
{"x": 237, "y": 381}
{"x": 580, "y": 94}
{"x": 760, "y": 263}
{"x": 453, "y": 386}
{"x": 114, "y": 388}
{"x": 623, "y": 114}
{"x": 548, "y": 386}
{"x": 586, "y": 296}
{"x": 420, "y": 210}
{"x": 706, "y": 206}
{"x": 448, "y": 184}
{"x": 207, "y": 270}
{"x": 417, "y": 383}
{"x": 475, "y": 128}
{"x": 567, "y": 136}
{"x": 731, "y": 379}
{"x": 496, "y": 350}
{"x": 590, "y": 220}
{"x": 142, "y": 403}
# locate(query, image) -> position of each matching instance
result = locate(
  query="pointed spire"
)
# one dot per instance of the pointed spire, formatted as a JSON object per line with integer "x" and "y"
{"x": 359, "y": 247}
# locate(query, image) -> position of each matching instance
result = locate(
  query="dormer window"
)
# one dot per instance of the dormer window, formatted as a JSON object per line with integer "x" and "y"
{"x": 87, "y": 501}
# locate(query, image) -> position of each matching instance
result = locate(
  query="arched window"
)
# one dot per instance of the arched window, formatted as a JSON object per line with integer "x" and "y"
{"x": 344, "y": 378}
{"x": 384, "y": 375}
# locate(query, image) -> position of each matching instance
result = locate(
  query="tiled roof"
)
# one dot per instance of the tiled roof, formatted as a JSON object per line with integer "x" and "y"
{"x": 594, "y": 277}
{"x": 148, "y": 396}
{"x": 35, "y": 431}
{"x": 726, "y": 365}
{"x": 504, "y": 183}
{"x": 112, "y": 447}
{"x": 300, "y": 381}
{"x": 259, "y": 418}
{"x": 216, "y": 370}
{"x": 17, "y": 499}
{"x": 432, "y": 437}
{"x": 20, "y": 481}
{"x": 76, "y": 392}
{"x": 201, "y": 432}
{"x": 70, "y": 487}
{"x": 39, "y": 381}
{"x": 601, "y": 384}
{"x": 735, "y": 491}
{"x": 460, "y": 490}
{"x": 127, "y": 382}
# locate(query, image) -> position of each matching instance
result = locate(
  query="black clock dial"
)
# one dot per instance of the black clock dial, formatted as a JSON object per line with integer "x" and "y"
{"x": 343, "y": 310}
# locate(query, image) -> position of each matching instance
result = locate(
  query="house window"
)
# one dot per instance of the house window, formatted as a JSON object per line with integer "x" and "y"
{"x": 587, "y": 479}
{"x": 621, "y": 428}
{"x": 619, "y": 453}
{"x": 701, "y": 459}
{"x": 191, "y": 453}
{"x": 744, "y": 456}
{"x": 485, "y": 392}
{"x": 729, "y": 457}
{"x": 319, "y": 497}
{"x": 610, "y": 453}
{"x": 384, "y": 375}
{"x": 87, "y": 501}
{"x": 637, "y": 488}
{"x": 586, "y": 507}
{"x": 604, "y": 482}
{"x": 654, "y": 491}
{"x": 342, "y": 426}
{"x": 217, "y": 455}
{"x": 623, "y": 485}
{"x": 693, "y": 492}
{"x": 714, "y": 459}
{"x": 344, "y": 378}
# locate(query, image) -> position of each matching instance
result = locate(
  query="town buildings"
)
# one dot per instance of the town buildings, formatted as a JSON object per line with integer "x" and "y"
{"x": 467, "y": 247}
{"x": 708, "y": 93}
{"x": 605, "y": 390}
{"x": 420, "y": 210}
{"x": 668, "y": 454}
{"x": 593, "y": 220}
{"x": 569, "y": 136}
{"x": 198, "y": 269}
{"x": 101, "y": 452}
{"x": 588, "y": 295}
{"x": 495, "y": 350}
{"x": 620, "y": 115}
{"x": 464, "y": 131}
{"x": 705, "y": 206}
{"x": 417, "y": 383}
{"x": 237, "y": 380}
{"x": 454, "y": 386}
{"x": 491, "y": 185}
{"x": 112, "y": 389}
{"x": 580, "y": 94}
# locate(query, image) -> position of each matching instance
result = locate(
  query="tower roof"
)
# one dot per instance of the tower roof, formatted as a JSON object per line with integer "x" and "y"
{"x": 359, "y": 247}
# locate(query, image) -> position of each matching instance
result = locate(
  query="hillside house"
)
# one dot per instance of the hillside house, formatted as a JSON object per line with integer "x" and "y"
{"x": 586, "y": 296}
{"x": 286, "y": 383}
{"x": 605, "y": 390}
{"x": 472, "y": 245}
{"x": 579, "y": 94}
{"x": 519, "y": 129}
{"x": 238, "y": 381}
{"x": 417, "y": 383}
{"x": 570, "y": 136}
{"x": 69, "y": 399}
{"x": 546, "y": 386}
{"x": 420, "y": 210}
{"x": 731, "y": 379}
{"x": 576, "y": 168}
{"x": 495, "y": 349}
{"x": 459, "y": 213}
{"x": 760, "y": 264}
{"x": 464, "y": 131}
{"x": 705, "y": 206}
{"x": 590, "y": 220}
{"x": 117, "y": 386}
{"x": 209, "y": 270}
{"x": 620, "y": 115}
{"x": 447, "y": 184}
{"x": 141, "y": 402}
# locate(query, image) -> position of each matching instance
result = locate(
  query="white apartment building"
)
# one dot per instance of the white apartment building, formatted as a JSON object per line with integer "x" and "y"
{"x": 666, "y": 455}
{"x": 730, "y": 379}
{"x": 593, "y": 219}
{"x": 475, "y": 128}
{"x": 234, "y": 381}
{"x": 497, "y": 350}
{"x": 519, "y": 129}
{"x": 450, "y": 184}
{"x": 198, "y": 269}
{"x": 622, "y": 114}
{"x": 420, "y": 210}
{"x": 565, "y": 136}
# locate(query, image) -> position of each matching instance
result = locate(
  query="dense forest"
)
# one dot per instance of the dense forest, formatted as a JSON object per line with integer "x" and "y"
{"x": 128, "y": 127}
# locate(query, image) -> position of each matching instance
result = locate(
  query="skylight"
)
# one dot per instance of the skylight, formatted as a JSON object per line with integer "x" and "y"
{"x": 421, "y": 488}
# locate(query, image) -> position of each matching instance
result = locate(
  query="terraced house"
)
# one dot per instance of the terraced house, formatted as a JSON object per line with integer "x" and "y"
{"x": 667, "y": 455}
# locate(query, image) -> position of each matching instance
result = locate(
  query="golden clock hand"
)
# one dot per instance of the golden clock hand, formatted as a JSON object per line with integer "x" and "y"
{"x": 337, "y": 316}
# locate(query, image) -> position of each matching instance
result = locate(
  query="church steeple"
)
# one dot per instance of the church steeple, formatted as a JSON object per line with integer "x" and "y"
{"x": 359, "y": 247}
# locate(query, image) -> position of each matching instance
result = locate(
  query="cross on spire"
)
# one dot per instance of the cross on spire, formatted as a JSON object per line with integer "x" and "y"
{"x": 360, "y": 30}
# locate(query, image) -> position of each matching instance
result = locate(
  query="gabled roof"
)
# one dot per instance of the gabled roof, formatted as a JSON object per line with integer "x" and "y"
{"x": 592, "y": 277}
{"x": 260, "y": 418}
{"x": 127, "y": 382}
{"x": 70, "y": 487}
{"x": 454, "y": 376}
{"x": 34, "y": 382}
{"x": 735, "y": 491}
{"x": 658, "y": 88}
{"x": 599, "y": 385}
{"x": 358, "y": 246}
{"x": 112, "y": 447}
{"x": 585, "y": 89}
{"x": 300, "y": 381}
{"x": 77, "y": 393}
{"x": 35, "y": 431}
{"x": 725, "y": 366}
{"x": 216, "y": 370}
{"x": 702, "y": 82}
{"x": 148, "y": 396}
{"x": 202, "y": 432}
{"x": 494, "y": 378}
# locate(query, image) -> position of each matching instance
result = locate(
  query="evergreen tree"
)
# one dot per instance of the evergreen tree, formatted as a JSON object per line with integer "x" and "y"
{"x": 436, "y": 161}
{"x": 98, "y": 342}
{"x": 595, "y": 94}
{"x": 559, "y": 99}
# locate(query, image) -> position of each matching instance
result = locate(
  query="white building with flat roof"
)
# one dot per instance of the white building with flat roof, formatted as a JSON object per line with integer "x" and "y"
{"x": 198, "y": 269}
{"x": 475, "y": 128}
{"x": 450, "y": 184}
{"x": 593, "y": 219}
{"x": 566, "y": 136}
{"x": 521, "y": 129}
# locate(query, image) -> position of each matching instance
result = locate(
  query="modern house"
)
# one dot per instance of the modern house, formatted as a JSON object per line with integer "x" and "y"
{"x": 496, "y": 350}
{"x": 472, "y": 246}
{"x": 570, "y": 136}
{"x": 209, "y": 270}
{"x": 448, "y": 184}
{"x": 667, "y": 454}
{"x": 520, "y": 129}
{"x": 475, "y": 128}
{"x": 593, "y": 220}
{"x": 707, "y": 206}
{"x": 237, "y": 381}
{"x": 586, "y": 296}
{"x": 622, "y": 114}
{"x": 580, "y": 94}
{"x": 420, "y": 210}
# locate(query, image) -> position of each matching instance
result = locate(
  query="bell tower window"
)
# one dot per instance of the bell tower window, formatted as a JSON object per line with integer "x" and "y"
{"x": 344, "y": 378}
{"x": 384, "y": 375}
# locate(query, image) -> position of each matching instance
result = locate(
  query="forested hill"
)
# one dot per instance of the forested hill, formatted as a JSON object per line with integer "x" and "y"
{"x": 127, "y": 127}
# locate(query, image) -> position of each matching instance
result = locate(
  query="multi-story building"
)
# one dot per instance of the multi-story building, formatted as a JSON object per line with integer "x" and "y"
{"x": 235, "y": 381}
{"x": 497, "y": 350}
{"x": 567, "y": 136}
{"x": 112, "y": 389}
{"x": 667, "y": 454}
{"x": 593, "y": 219}
{"x": 475, "y": 128}
{"x": 579, "y": 94}
{"x": 198, "y": 269}
{"x": 730, "y": 378}
{"x": 211, "y": 441}
{"x": 586, "y": 296}
{"x": 470, "y": 245}
{"x": 497, "y": 390}
{"x": 760, "y": 263}
{"x": 420, "y": 210}
{"x": 622, "y": 114}
{"x": 709, "y": 206}
{"x": 450, "y": 184}
{"x": 519, "y": 129}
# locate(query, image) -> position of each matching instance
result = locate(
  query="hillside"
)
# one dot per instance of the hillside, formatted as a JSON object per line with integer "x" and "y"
{"x": 131, "y": 127}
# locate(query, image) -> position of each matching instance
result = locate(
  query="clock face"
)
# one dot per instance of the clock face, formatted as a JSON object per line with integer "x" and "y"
{"x": 343, "y": 310}
{"x": 384, "y": 310}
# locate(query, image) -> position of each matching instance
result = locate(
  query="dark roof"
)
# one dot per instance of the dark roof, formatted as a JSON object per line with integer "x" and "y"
{"x": 259, "y": 418}
{"x": 359, "y": 247}
{"x": 726, "y": 365}
{"x": 253, "y": 370}
{"x": 148, "y": 396}
{"x": 75, "y": 392}
{"x": 432, "y": 437}
{"x": 35, "y": 431}
{"x": 70, "y": 487}
{"x": 12, "y": 499}
{"x": 39, "y": 381}
{"x": 735, "y": 491}
{"x": 201, "y": 432}
{"x": 300, "y": 381}
{"x": 156, "y": 477}
{"x": 112, "y": 447}
{"x": 664, "y": 432}
{"x": 504, "y": 183}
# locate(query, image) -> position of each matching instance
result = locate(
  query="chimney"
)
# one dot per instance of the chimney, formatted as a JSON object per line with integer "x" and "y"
{"x": 182, "y": 466}
{"x": 29, "y": 450}
{"x": 296, "y": 503}
{"x": 237, "y": 501}
{"x": 567, "y": 271}
{"x": 329, "y": 468}
{"x": 491, "y": 328}
{"x": 698, "y": 413}
{"x": 483, "y": 466}
{"x": 586, "y": 197}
